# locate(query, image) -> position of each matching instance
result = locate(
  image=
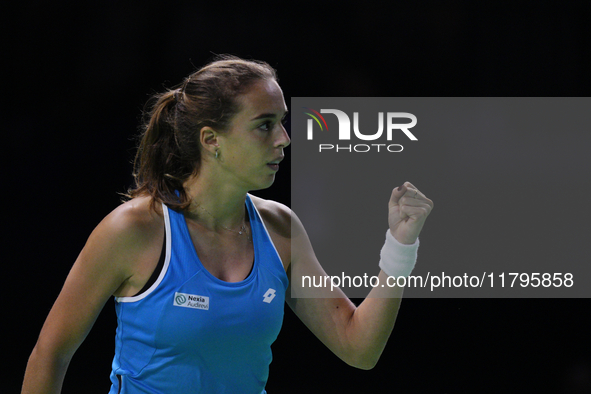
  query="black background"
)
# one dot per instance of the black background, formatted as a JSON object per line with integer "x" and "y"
{"x": 76, "y": 76}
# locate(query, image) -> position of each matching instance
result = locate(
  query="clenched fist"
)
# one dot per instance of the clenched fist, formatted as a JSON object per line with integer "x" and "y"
{"x": 408, "y": 209}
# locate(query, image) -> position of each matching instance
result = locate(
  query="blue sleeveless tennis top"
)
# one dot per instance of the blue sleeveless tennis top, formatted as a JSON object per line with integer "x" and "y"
{"x": 191, "y": 332}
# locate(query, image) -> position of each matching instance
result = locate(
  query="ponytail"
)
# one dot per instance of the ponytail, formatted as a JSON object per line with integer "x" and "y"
{"x": 169, "y": 151}
{"x": 160, "y": 168}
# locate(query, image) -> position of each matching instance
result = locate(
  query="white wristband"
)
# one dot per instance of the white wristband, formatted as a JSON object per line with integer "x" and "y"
{"x": 397, "y": 259}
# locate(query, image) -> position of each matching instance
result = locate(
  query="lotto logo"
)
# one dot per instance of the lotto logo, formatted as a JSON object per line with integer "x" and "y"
{"x": 269, "y": 295}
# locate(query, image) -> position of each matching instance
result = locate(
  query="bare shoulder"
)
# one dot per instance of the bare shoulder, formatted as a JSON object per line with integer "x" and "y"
{"x": 276, "y": 215}
{"x": 135, "y": 218}
{"x": 131, "y": 225}
{"x": 277, "y": 219}
{"x": 127, "y": 242}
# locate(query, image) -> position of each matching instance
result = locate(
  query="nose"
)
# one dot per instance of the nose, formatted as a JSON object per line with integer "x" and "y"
{"x": 283, "y": 139}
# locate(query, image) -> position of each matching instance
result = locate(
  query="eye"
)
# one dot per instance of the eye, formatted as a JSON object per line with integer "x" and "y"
{"x": 267, "y": 126}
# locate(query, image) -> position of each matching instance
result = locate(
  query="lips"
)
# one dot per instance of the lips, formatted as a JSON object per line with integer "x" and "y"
{"x": 275, "y": 163}
{"x": 277, "y": 160}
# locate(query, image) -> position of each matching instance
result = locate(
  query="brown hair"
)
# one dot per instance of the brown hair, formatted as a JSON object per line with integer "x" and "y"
{"x": 169, "y": 151}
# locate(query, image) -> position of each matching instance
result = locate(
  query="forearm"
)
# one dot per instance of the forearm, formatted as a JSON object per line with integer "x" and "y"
{"x": 358, "y": 335}
{"x": 45, "y": 373}
{"x": 372, "y": 323}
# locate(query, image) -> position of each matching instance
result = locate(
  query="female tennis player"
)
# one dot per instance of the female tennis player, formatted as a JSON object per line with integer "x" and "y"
{"x": 198, "y": 267}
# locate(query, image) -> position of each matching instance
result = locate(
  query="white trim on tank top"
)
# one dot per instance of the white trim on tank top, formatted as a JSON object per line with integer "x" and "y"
{"x": 164, "y": 268}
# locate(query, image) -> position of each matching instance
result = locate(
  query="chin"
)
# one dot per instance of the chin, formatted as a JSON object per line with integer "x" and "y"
{"x": 264, "y": 185}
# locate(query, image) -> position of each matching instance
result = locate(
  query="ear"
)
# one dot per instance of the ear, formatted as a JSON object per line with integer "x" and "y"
{"x": 209, "y": 139}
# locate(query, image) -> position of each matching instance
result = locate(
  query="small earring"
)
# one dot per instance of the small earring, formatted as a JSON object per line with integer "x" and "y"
{"x": 217, "y": 153}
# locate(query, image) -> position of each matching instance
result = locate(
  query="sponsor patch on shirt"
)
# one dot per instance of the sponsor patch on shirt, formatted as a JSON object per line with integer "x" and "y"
{"x": 191, "y": 301}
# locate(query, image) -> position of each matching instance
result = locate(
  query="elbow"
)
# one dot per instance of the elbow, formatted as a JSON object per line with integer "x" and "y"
{"x": 45, "y": 371}
{"x": 363, "y": 361}
{"x": 366, "y": 365}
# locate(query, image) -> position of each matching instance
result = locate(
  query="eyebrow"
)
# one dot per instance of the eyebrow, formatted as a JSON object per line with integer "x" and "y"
{"x": 267, "y": 116}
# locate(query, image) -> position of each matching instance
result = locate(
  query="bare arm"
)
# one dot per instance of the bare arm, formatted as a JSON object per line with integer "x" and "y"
{"x": 357, "y": 335}
{"x": 103, "y": 266}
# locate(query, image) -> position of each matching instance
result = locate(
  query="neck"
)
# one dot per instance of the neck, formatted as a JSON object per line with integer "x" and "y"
{"x": 214, "y": 204}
